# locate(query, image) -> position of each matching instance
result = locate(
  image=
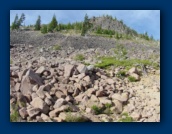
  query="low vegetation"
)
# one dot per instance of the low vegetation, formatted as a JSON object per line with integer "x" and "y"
{"x": 102, "y": 110}
{"x": 121, "y": 74}
{"x": 14, "y": 116}
{"x": 132, "y": 79}
{"x": 126, "y": 118}
{"x": 57, "y": 47}
{"x": 79, "y": 57}
{"x": 97, "y": 110}
{"x": 74, "y": 118}
{"x": 106, "y": 62}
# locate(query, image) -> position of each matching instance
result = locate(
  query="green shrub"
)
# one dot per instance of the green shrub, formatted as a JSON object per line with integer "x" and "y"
{"x": 79, "y": 57}
{"x": 44, "y": 29}
{"x": 131, "y": 79}
{"x": 96, "y": 109}
{"x": 128, "y": 63}
{"x": 126, "y": 119}
{"x": 56, "y": 47}
{"x": 121, "y": 74}
{"x": 107, "y": 109}
{"x": 72, "y": 118}
{"x": 14, "y": 116}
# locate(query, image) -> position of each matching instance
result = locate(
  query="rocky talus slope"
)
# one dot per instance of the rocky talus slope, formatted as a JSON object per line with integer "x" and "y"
{"x": 49, "y": 85}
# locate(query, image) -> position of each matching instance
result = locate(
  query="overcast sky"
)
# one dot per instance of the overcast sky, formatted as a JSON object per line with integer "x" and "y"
{"x": 140, "y": 20}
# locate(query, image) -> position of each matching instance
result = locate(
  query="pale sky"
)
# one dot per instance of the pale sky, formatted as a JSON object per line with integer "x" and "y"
{"x": 139, "y": 20}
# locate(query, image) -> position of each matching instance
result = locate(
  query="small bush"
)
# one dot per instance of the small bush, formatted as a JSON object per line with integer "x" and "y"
{"x": 121, "y": 74}
{"x": 11, "y": 62}
{"x": 72, "y": 118}
{"x": 107, "y": 109}
{"x": 96, "y": 109}
{"x": 56, "y": 47}
{"x": 14, "y": 116}
{"x": 44, "y": 29}
{"x": 131, "y": 79}
{"x": 126, "y": 119}
{"x": 79, "y": 57}
{"x": 128, "y": 63}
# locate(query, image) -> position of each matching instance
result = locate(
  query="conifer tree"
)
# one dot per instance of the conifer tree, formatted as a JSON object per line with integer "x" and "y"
{"x": 53, "y": 24}
{"x": 38, "y": 23}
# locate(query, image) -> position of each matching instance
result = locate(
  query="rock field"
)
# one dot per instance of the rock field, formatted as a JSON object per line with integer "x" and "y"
{"x": 49, "y": 85}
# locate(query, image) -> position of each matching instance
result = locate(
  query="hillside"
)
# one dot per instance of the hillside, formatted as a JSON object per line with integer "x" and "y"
{"x": 65, "y": 77}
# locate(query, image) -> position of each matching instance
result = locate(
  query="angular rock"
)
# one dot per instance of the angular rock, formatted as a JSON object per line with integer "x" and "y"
{"x": 136, "y": 76}
{"x": 90, "y": 67}
{"x": 40, "y": 92}
{"x": 94, "y": 98}
{"x": 48, "y": 101}
{"x": 28, "y": 81}
{"x": 33, "y": 112}
{"x": 45, "y": 118}
{"x": 23, "y": 112}
{"x": 87, "y": 79}
{"x": 135, "y": 115}
{"x": 42, "y": 60}
{"x": 100, "y": 93}
{"x": 59, "y": 103}
{"x": 104, "y": 100}
{"x": 118, "y": 107}
{"x": 110, "y": 81}
{"x": 60, "y": 94}
{"x": 133, "y": 70}
{"x": 40, "y": 70}
{"x": 39, "y": 103}
{"x": 17, "y": 87}
{"x": 56, "y": 111}
{"x": 123, "y": 97}
{"x": 34, "y": 95}
{"x": 69, "y": 99}
{"x": 82, "y": 68}
{"x": 68, "y": 70}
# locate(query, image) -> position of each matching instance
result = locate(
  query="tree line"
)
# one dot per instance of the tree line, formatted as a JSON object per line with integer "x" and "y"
{"x": 84, "y": 26}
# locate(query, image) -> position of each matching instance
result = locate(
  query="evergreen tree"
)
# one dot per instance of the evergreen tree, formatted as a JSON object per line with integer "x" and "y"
{"x": 14, "y": 24}
{"x": 85, "y": 26}
{"x": 18, "y": 22}
{"x": 53, "y": 24}
{"x": 38, "y": 23}
{"x": 44, "y": 29}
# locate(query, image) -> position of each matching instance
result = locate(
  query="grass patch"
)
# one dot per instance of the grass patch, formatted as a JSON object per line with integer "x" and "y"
{"x": 79, "y": 57}
{"x": 121, "y": 74}
{"x": 97, "y": 110}
{"x": 11, "y": 62}
{"x": 57, "y": 47}
{"x": 72, "y": 118}
{"x": 102, "y": 110}
{"x": 106, "y": 62}
{"x": 107, "y": 109}
{"x": 14, "y": 116}
{"x": 132, "y": 79}
{"x": 126, "y": 119}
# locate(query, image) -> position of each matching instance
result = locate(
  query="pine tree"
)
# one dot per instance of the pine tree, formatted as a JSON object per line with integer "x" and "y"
{"x": 38, "y": 23}
{"x": 44, "y": 29}
{"x": 18, "y": 22}
{"x": 85, "y": 26}
{"x": 53, "y": 24}
{"x": 14, "y": 24}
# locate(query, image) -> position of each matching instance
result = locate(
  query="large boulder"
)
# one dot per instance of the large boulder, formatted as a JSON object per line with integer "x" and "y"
{"x": 68, "y": 70}
{"x": 82, "y": 68}
{"x": 39, "y": 103}
{"x": 28, "y": 81}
